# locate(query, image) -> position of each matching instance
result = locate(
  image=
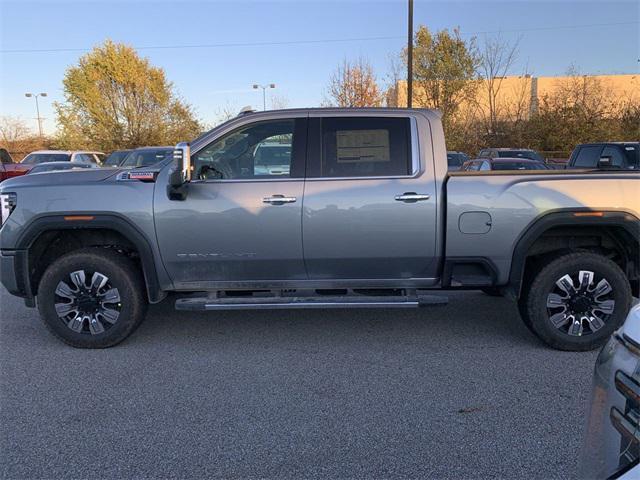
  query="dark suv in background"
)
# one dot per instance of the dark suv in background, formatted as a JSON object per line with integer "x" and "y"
{"x": 485, "y": 164}
{"x": 511, "y": 153}
{"x": 619, "y": 155}
{"x": 455, "y": 160}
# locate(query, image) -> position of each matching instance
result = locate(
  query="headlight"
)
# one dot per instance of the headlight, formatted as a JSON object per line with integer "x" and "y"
{"x": 8, "y": 202}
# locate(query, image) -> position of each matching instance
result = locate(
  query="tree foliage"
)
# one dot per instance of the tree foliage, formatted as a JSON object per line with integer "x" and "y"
{"x": 116, "y": 99}
{"x": 444, "y": 70}
{"x": 353, "y": 84}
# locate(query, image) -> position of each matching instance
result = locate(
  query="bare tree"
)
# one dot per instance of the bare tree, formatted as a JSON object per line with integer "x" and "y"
{"x": 393, "y": 78}
{"x": 224, "y": 113}
{"x": 17, "y": 138}
{"x": 353, "y": 84}
{"x": 497, "y": 56}
{"x": 278, "y": 102}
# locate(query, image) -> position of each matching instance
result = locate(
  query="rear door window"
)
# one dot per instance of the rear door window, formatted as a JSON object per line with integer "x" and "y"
{"x": 588, "y": 156}
{"x": 364, "y": 147}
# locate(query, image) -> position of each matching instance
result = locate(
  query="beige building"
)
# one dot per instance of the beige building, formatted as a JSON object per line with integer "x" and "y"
{"x": 522, "y": 95}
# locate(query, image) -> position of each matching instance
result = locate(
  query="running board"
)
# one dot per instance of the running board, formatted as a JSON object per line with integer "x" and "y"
{"x": 272, "y": 303}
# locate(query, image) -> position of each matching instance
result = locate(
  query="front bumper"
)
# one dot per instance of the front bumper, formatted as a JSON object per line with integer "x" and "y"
{"x": 14, "y": 273}
{"x": 612, "y": 443}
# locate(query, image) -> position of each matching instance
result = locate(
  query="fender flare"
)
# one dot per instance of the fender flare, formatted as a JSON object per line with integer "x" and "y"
{"x": 110, "y": 221}
{"x": 578, "y": 217}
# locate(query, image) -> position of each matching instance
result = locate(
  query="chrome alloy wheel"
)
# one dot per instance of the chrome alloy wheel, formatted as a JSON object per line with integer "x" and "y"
{"x": 87, "y": 308}
{"x": 578, "y": 305}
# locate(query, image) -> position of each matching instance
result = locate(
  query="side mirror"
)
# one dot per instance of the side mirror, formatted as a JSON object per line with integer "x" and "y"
{"x": 605, "y": 161}
{"x": 180, "y": 176}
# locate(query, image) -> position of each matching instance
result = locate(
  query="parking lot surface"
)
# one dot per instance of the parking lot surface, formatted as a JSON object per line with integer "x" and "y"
{"x": 463, "y": 391}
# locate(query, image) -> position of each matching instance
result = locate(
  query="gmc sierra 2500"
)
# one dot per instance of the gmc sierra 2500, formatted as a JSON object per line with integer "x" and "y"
{"x": 319, "y": 208}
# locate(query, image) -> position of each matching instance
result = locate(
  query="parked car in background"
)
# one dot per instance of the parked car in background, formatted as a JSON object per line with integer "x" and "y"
{"x": 272, "y": 158}
{"x": 484, "y": 164}
{"x": 5, "y": 156}
{"x": 612, "y": 443}
{"x": 114, "y": 159}
{"x": 510, "y": 153}
{"x": 622, "y": 155}
{"x": 7, "y": 166}
{"x": 455, "y": 160}
{"x": 59, "y": 166}
{"x": 46, "y": 156}
{"x": 145, "y": 156}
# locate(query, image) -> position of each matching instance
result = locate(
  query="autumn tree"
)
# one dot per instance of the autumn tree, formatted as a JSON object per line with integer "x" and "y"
{"x": 444, "y": 70}
{"x": 353, "y": 84}
{"x": 116, "y": 99}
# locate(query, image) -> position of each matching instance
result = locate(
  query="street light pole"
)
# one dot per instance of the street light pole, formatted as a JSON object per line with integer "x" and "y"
{"x": 410, "y": 56}
{"x": 39, "y": 118}
{"x": 264, "y": 95}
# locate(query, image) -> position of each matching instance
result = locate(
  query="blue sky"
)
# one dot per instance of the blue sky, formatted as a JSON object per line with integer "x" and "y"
{"x": 214, "y": 78}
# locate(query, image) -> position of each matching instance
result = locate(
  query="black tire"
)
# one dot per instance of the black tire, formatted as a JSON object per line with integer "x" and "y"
{"x": 537, "y": 316}
{"x": 122, "y": 275}
{"x": 492, "y": 291}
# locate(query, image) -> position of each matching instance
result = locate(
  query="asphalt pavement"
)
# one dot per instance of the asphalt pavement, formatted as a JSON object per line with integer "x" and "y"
{"x": 462, "y": 391}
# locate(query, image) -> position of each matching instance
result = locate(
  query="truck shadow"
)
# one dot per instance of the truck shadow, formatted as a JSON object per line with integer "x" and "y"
{"x": 471, "y": 320}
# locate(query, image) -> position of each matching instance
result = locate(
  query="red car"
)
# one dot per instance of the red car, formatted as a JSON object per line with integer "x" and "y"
{"x": 9, "y": 169}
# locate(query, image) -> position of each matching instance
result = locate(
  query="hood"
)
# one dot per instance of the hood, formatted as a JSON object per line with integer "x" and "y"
{"x": 631, "y": 328}
{"x": 68, "y": 177}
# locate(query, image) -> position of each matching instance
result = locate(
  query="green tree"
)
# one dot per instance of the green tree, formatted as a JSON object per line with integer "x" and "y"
{"x": 116, "y": 99}
{"x": 444, "y": 70}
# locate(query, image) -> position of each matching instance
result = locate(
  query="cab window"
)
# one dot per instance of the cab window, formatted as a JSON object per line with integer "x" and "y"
{"x": 260, "y": 150}
{"x": 364, "y": 147}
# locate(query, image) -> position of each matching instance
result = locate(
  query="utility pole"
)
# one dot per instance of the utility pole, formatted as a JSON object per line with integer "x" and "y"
{"x": 39, "y": 118}
{"x": 410, "y": 57}
{"x": 264, "y": 95}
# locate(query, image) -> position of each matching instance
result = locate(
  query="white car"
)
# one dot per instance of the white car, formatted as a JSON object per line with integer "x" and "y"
{"x": 46, "y": 156}
{"x": 612, "y": 444}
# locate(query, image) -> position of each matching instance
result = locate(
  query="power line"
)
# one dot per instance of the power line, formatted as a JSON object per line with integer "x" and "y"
{"x": 311, "y": 42}
{"x": 557, "y": 27}
{"x": 211, "y": 45}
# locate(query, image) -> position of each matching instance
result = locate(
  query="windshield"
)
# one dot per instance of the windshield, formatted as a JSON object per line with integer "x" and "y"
{"x": 145, "y": 158}
{"x": 518, "y": 166}
{"x": 35, "y": 158}
{"x": 530, "y": 154}
{"x": 116, "y": 158}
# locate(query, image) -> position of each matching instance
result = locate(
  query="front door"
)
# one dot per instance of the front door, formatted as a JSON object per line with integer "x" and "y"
{"x": 241, "y": 219}
{"x": 369, "y": 207}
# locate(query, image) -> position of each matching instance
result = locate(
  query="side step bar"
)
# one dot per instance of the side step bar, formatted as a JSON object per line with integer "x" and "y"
{"x": 272, "y": 303}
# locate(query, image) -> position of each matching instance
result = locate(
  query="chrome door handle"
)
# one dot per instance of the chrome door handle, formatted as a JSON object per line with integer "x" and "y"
{"x": 278, "y": 199}
{"x": 411, "y": 197}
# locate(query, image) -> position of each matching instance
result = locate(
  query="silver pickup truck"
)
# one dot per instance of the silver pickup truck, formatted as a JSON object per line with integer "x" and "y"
{"x": 320, "y": 208}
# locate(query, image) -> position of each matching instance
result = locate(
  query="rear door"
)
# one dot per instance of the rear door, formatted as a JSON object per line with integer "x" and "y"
{"x": 369, "y": 204}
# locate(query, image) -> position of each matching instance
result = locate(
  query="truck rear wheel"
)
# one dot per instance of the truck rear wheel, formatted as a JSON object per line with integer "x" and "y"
{"x": 577, "y": 301}
{"x": 92, "y": 298}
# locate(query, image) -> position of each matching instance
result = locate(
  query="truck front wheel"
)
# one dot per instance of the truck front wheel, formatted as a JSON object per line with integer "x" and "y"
{"x": 576, "y": 301}
{"x": 92, "y": 298}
